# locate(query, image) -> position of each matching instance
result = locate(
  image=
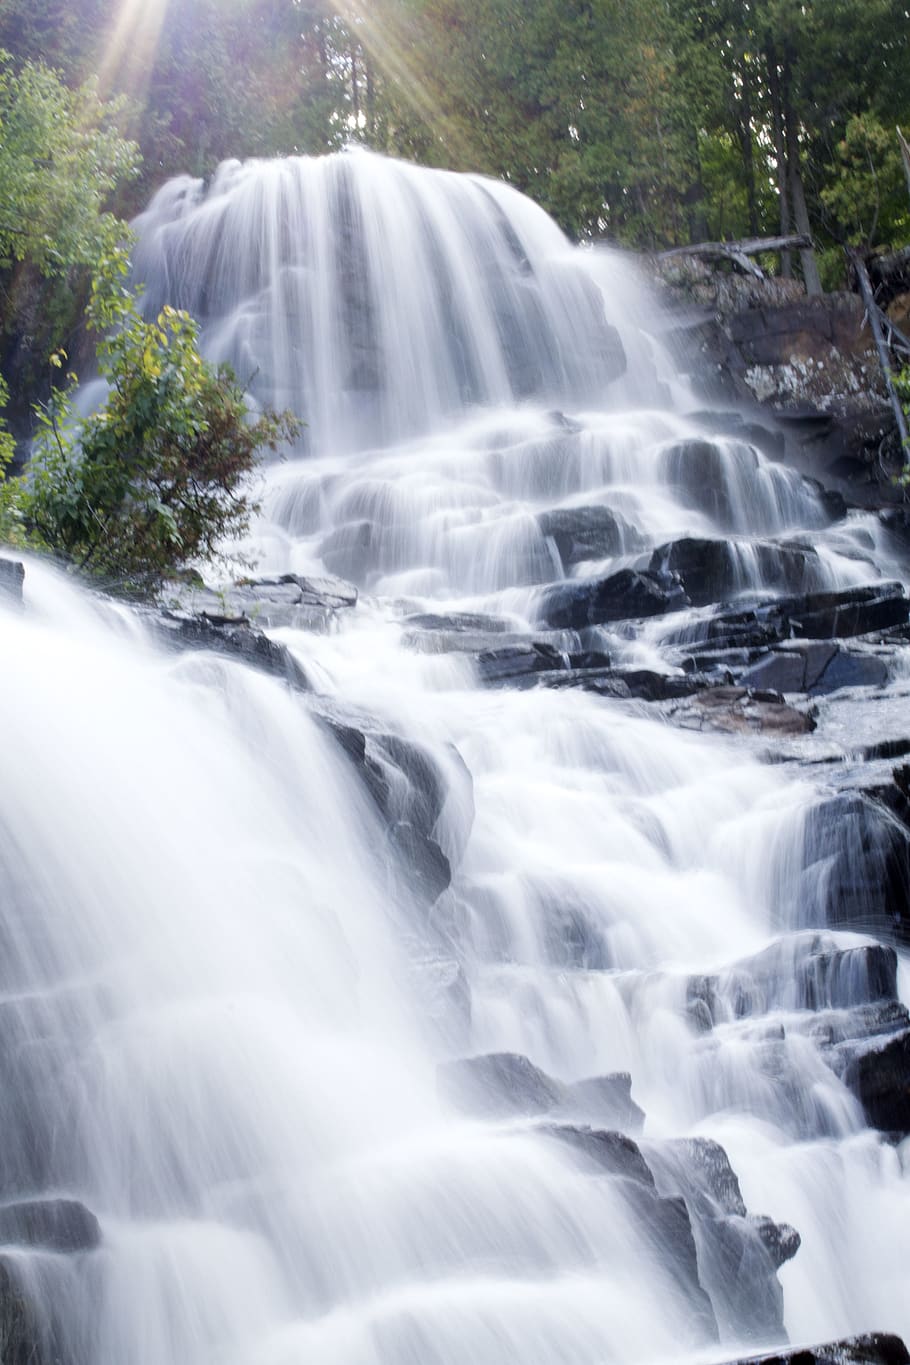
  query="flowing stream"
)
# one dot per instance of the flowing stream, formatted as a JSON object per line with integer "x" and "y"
{"x": 225, "y": 1002}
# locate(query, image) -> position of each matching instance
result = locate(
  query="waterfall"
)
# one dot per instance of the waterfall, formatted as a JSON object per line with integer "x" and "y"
{"x": 567, "y": 1104}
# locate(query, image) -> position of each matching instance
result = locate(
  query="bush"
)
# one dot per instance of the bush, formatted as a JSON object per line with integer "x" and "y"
{"x": 157, "y": 479}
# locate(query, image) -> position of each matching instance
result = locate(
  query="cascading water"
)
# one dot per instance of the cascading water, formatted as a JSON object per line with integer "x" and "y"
{"x": 235, "y": 1017}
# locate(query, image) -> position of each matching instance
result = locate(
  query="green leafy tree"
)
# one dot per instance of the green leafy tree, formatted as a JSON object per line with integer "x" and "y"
{"x": 157, "y": 479}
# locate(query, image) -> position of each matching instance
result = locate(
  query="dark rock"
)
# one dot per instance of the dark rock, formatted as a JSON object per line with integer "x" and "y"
{"x": 12, "y": 577}
{"x": 857, "y": 867}
{"x": 238, "y": 639}
{"x": 781, "y": 1241}
{"x": 518, "y": 662}
{"x": 666, "y": 1224}
{"x": 430, "y": 872}
{"x": 53, "y": 1224}
{"x": 739, "y": 710}
{"x": 701, "y": 471}
{"x": 847, "y": 612}
{"x": 26, "y": 1335}
{"x": 627, "y": 595}
{"x": 879, "y": 1077}
{"x": 713, "y": 570}
{"x": 582, "y": 533}
{"x": 875, "y": 1349}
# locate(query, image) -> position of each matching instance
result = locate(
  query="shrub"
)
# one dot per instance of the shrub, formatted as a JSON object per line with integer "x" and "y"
{"x": 157, "y": 479}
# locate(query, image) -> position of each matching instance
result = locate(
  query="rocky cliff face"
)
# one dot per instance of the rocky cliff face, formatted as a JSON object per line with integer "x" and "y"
{"x": 807, "y": 365}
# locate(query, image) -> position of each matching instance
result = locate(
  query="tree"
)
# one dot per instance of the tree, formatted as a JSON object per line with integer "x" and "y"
{"x": 156, "y": 479}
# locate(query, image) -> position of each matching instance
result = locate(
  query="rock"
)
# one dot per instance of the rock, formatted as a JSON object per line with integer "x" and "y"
{"x": 739, "y": 710}
{"x": 666, "y": 1224}
{"x": 628, "y": 595}
{"x": 849, "y": 611}
{"x": 52, "y": 1224}
{"x": 816, "y": 667}
{"x": 506, "y": 1084}
{"x": 714, "y": 570}
{"x": 12, "y": 577}
{"x": 582, "y": 533}
{"x": 856, "y": 867}
{"x": 455, "y": 621}
{"x": 288, "y": 600}
{"x": 780, "y": 1239}
{"x": 875, "y": 1349}
{"x": 805, "y": 971}
{"x": 702, "y": 472}
{"x": 879, "y": 1077}
{"x": 518, "y": 663}
{"x": 349, "y": 551}
{"x": 498, "y": 1085}
{"x": 607, "y": 1151}
{"x": 237, "y": 638}
{"x": 26, "y": 1335}
{"x": 606, "y": 1099}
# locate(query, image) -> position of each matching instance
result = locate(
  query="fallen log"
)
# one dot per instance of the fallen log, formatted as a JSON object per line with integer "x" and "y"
{"x": 739, "y": 252}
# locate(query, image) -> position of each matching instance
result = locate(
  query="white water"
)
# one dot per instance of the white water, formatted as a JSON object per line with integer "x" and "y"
{"x": 222, "y": 1020}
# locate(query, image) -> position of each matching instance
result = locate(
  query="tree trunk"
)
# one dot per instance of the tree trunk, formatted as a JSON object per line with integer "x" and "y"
{"x": 744, "y": 133}
{"x": 780, "y": 153}
{"x": 800, "y": 208}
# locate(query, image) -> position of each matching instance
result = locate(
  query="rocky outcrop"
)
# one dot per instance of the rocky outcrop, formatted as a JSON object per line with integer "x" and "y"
{"x": 50, "y": 1224}
{"x": 236, "y": 637}
{"x": 741, "y": 710}
{"x": 627, "y": 595}
{"x": 505, "y": 1085}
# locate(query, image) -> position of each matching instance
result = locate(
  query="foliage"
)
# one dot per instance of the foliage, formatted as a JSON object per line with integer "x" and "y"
{"x": 157, "y": 478}
{"x": 60, "y": 158}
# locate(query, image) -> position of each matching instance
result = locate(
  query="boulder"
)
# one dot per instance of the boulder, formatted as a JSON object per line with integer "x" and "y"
{"x": 237, "y": 638}
{"x": 628, "y": 595}
{"x": 816, "y": 667}
{"x": 582, "y": 533}
{"x": 739, "y": 710}
{"x": 714, "y": 570}
{"x": 701, "y": 470}
{"x": 51, "y": 1224}
{"x": 879, "y": 1076}
{"x": 856, "y": 867}
{"x": 26, "y": 1335}
{"x": 607, "y": 1151}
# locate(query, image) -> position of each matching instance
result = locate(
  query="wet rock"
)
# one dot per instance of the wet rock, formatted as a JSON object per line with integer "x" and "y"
{"x": 457, "y": 621}
{"x": 606, "y": 1099}
{"x": 701, "y": 471}
{"x": 26, "y": 1335}
{"x": 856, "y": 867}
{"x": 781, "y": 1241}
{"x": 12, "y": 577}
{"x": 349, "y": 551}
{"x": 409, "y": 789}
{"x": 800, "y": 972}
{"x": 816, "y": 668}
{"x": 582, "y": 533}
{"x": 239, "y": 639}
{"x": 713, "y": 570}
{"x": 607, "y": 1151}
{"x": 499, "y": 1085}
{"x": 877, "y": 1348}
{"x": 879, "y": 1077}
{"x": 628, "y": 595}
{"x": 52, "y": 1224}
{"x": 517, "y": 663}
{"x": 847, "y": 612}
{"x": 740, "y": 710}
{"x": 665, "y": 1223}
{"x": 504, "y": 1084}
